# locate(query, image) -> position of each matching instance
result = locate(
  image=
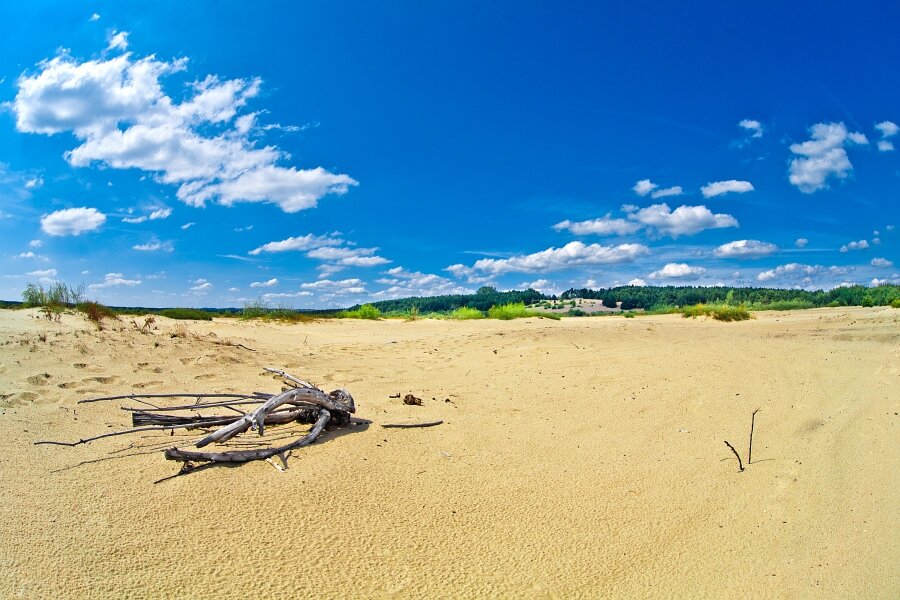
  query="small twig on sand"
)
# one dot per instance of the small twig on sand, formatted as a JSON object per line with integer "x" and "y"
{"x": 750, "y": 448}
{"x": 740, "y": 464}
{"x": 410, "y": 425}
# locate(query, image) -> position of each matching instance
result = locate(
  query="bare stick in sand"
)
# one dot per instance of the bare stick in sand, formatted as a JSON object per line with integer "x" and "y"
{"x": 740, "y": 464}
{"x": 410, "y": 425}
{"x": 750, "y": 448}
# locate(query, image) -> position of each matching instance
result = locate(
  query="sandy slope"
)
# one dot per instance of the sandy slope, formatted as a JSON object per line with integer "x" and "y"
{"x": 580, "y": 458}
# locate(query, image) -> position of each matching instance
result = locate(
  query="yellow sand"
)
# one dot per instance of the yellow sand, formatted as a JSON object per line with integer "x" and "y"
{"x": 581, "y": 458}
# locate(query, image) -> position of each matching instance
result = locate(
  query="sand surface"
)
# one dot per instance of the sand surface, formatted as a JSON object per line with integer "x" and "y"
{"x": 581, "y": 458}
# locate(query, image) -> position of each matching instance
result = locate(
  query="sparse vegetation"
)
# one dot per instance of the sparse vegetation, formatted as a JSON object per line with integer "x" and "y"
{"x": 516, "y": 310}
{"x": 186, "y": 314}
{"x": 96, "y": 312}
{"x": 464, "y": 313}
{"x": 366, "y": 311}
{"x": 719, "y": 312}
{"x": 895, "y": 303}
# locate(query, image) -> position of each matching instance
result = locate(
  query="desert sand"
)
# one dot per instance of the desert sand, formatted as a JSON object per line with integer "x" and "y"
{"x": 579, "y": 458}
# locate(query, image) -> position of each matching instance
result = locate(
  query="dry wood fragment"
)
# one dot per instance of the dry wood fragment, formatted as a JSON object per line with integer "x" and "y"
{"x": 410, "y": 425}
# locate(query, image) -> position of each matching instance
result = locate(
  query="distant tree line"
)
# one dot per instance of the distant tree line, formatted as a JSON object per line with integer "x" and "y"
{"x": 483, "y": 299}
{"x": 635, "y": 297}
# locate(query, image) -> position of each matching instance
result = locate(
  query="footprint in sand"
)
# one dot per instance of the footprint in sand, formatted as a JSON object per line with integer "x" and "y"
{"x": 205, "y": 376}
{"x": 103, "y": 380}
{"x": 146, "y": 384}
{"x": 186, "y": 360}
{"x": 21, "y": 398}
{"x": 80, "y": 365}
{"x": 39, "y": 379}
{"x": 69, "y": 384}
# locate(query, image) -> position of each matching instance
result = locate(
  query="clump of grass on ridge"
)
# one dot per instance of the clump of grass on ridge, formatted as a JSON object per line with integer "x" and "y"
{"x": 719, "y": 312}
{"x": 465, "y": 313}
{"x": 96, "y": 312}
{"x": 366, "y": 311}
{"x": 516, "y": 310}
{"x": 186, "y": 314}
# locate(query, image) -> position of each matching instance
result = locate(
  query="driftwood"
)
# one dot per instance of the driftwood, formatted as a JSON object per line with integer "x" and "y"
{"x": 410, "y": 425}
{"x": 302, "y": 403}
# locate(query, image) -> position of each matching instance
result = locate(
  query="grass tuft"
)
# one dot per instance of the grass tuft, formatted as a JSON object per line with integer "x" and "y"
{"x": 465, "y": 313}
{"x": 719, "y": 312}
{"x": 366, "y": 311}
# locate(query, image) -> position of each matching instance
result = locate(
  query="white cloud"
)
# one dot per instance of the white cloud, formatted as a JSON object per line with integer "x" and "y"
{"x": 160, "y": 213}
{"x": 885, "y": 145}
{"x": 745, "y": 249}
{"x": 277, "y": 295}
{"x": 269, "y": 283}
{"x": 801, "y": 273}
{"x": 860, "y": 245}
{"x": 94, "y": 17}
{"x": 602, "y": 226}
{"x": 118, "y": 41}
{"x": 822, "y": 157}
{"x": 801, "y": 242}
{"x": 881, "y": 262}
{"x": 35, "y": 243}
{"x": 300, "y": 243}
{"x": 27, "y": 255}
{"x": 717, "y": 188}
{"x": 44, "y": 273}
{"x": 684, "y": 220}
{"x": 637, "y": 281}
{"x": 188, "y": 225}
{"x": 858, "y": 138}
{"x": 678, "y": 271}
{"x": 753, "y": 127}
{"x": 572, "y": 254}
{"x": 134, "y": 220}
{"x": 154, "y": 246}
{"x": 403, "y": 283}
{"x": 201, "y": 285}
{"x": 675, "y": 190}
{"x": 114, "y": 280}
{"x": 887, "y": 128}
{"x": 34, "y": 183}
{"x": 348, "y": 257}
{"x": 72, "y": 221}
{"x": 889, "y": 227}
{"x": 122, "y": 118}
{"x": 342, "y": 287}
{"x": 234, "y": 289}
{"x": 644, "y": 187}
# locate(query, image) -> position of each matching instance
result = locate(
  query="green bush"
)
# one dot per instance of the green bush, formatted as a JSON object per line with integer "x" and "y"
{"x": 576, "y": 312}
{"x": 719, "y": 312}
{"x": 187, "y": 314}
{"x": 464, "y": 313}
{"x": 366, "y": 311}
{"x": 895, "y": 303}
{"x": 516, "y": 310}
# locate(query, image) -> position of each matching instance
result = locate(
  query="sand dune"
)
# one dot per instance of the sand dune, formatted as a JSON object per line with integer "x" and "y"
{"x": 580, "y": 458}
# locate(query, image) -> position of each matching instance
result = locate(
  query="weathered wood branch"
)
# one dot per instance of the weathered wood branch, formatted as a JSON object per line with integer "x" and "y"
{"x": 740, "y": 464}
{"x": 410, "y": 425}
{"x": 241, "y": 456}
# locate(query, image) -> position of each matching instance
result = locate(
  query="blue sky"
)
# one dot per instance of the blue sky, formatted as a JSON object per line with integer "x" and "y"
{"x": 326, "y": 153}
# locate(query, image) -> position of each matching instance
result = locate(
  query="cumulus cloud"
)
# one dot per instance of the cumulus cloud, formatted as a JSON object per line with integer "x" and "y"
{"x": 281, "y": 295}
{"x": 35, "y": 243}
{"x": 881, "y": 262}
{"x": 160, "y": 213}
{"x": 341, "y": 287}
{"x": 34, "y": 183}
{"x": 201, "y": 285}
{"x": 644, "y": 187}
{"x": 404, "y": 283}
{"x": 860, "y": 245}
{"x": 122, "y": 118}
{"x": 299, "y": 243}
{"x": 801, "y": 274}
{"x": 573, "y": 254}
{"x": 114, "y": 280}
{"x": 94, "y": 17}
{"x": 72, "y": 221}
{"x": 675, "y": 190}
{"x": 637, "y": 281}
{"x": 188, "y": 225}
{"x": 28, "y": 254}
{"x": 822, "y": 157}
{"x": 717, "y": 188}
{"x": 801, "y": 242}
{"x": 118, "y": 41}
{"x": 678, "y": 271}
{"x": 684, "y": 220}
{"x": 154, "y": 246}
{"x": 753, "y": 127}
{"x": 602, "y": 226}
{"x": 887, "y": 129}
{"x": 44, "y": 273}
{"x": 348, "y": 257}
{"x": 745, "y": 249}
{"x": 270, "y": 283}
